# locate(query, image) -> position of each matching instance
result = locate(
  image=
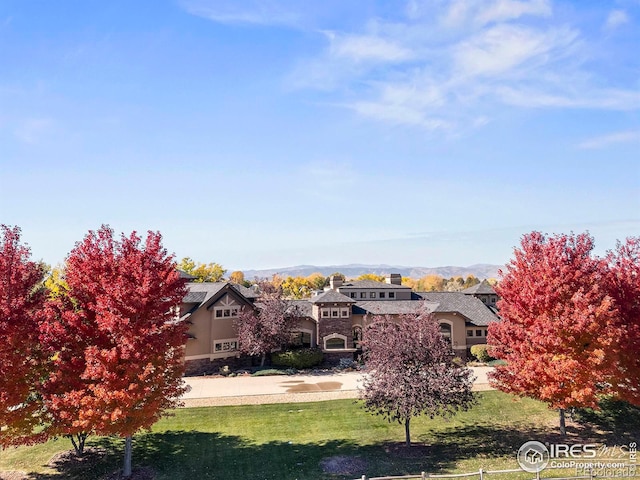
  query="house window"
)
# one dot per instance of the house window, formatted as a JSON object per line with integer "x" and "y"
{"x": 493, "y": 299}
{"x": 469, "y": 333}
{"x": 363, "y": 295}
{"x": 345, "y": 312}
{"x": 218, "y": 313}
{"x": 223, "y": 346}
{"x": 335, "y": 342}
{"x": 357, "y": 333}
{"x": 392, "y": 294}
{"x": 478, "y": 333}
{"x": 222, "y": 312}
{"x": 325, "y": 312}
{"x": 381, "y": 295}
{"x": 353, "y": 294}
{"x": 445, "y": 331}
{"x": 372, "y": 295}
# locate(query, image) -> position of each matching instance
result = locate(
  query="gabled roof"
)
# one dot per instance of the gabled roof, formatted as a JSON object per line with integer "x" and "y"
{"x": 331, "y": 296}
{"x": 393, "y": 307}
{"x": 186, "y": 275}
{"x": 370, "y": 284}
{"x": 482, "y": 288}
{"x": 303, "y": 306}
{"x": 471, "y": 307}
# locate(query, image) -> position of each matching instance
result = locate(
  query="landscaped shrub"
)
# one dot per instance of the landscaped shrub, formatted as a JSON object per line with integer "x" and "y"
{"x": 300, "y": 359}
{"x": 481, "y": 353}
{"x": 268, "y": 371}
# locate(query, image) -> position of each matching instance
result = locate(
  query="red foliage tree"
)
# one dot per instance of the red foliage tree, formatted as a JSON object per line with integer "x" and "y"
{"x": 269, "y": 326}
{"x": 117, "y": 347}
{"x": 624, "y": 287}
{"x": 22, "y": 302}
{"x": 411, "y": 371}
{"x": 558, "y": 332}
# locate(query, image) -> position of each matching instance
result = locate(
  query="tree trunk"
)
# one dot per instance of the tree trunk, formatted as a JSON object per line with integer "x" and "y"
{"x": 126, "y": 470}
{"x": 262, "y": 359}
{"x": 78, "y": 441}
{"x": 563, "y": 426}
{"x": 407, "y": 433}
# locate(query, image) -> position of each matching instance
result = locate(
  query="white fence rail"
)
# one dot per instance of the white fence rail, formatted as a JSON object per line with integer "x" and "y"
{"x": 483, "y": 474}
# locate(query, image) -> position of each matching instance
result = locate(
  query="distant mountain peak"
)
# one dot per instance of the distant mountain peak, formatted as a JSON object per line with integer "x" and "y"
{"x": 352, "y": 270}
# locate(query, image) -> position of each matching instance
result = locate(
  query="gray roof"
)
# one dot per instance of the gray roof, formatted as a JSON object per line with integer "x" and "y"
{"x": 331, "y": 296}
{"x": 304, "y": 307}
{"x": 369, "y": 284}
{"x": 393, "y": 307}
{"x": 482, "y": 288}
{"x": 200, "y": 292}
{"x": 186, "y": 275}
{"x": 471, "y": 307}
{"x": 247, "y": 292}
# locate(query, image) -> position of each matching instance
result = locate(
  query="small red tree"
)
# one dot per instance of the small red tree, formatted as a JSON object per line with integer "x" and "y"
{"x": 269, "y": 326}
{"x": 411, "y": 371}
{"x": 624, "y": 287}
{"x": 558, "y": 333}
{"x": 118, "y": 349}
{"x": 22, "y": 302}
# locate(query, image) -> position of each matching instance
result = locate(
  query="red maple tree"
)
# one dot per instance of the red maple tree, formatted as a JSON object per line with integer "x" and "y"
{"x": 22, "y": 302}
{"x": 267, "y": 327}
{"x": 117, "y": 347}
{"x": 558, "y": 332}
{"x": 624, "y": 288}
{"x": 411, "y": 371}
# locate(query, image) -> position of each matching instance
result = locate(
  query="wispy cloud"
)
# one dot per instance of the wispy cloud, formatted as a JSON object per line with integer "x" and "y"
{"x": 615, "y": 19}
{"x": 31, "y": 130}
{"x": 448, "y": 63}
{"x": 251, "y": 12}
{"x": 441, "y": 65}
{"x": 603, "y": 141}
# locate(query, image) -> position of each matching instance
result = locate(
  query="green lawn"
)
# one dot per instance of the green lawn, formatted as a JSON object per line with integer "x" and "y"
{"x": 290, "y": 441}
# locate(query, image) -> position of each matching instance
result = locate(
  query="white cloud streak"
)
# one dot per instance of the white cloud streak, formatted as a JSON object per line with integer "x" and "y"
{"x": 615, "y": 19}
{"x": 627, "y": 136}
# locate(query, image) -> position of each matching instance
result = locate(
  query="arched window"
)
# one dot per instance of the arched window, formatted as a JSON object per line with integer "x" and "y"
{"x": 445, "y": 331}
{"x": 357, "y": 333}
{"x": 335, "y": 341}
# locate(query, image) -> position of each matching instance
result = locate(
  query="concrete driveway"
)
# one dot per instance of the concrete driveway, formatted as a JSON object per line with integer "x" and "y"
{"x": 284, "y": 388}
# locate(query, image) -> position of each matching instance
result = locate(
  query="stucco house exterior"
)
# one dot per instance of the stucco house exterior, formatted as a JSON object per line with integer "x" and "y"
{"x": 332, "y": 320}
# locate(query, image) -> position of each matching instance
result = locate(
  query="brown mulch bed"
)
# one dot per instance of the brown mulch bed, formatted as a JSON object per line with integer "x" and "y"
{"x": 343, "y": 465}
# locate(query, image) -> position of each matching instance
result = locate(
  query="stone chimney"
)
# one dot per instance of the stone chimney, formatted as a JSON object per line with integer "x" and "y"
{"x": 335, "y": 282}
{"x": 394, "y": 279}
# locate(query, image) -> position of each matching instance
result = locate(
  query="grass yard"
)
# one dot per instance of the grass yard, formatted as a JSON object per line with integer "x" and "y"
{"x": 300, "y": 441}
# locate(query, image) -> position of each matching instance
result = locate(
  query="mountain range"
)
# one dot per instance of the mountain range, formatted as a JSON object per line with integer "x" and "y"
{"x": 480, "y": 270}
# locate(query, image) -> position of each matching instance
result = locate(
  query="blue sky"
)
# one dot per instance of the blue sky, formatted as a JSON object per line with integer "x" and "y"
{"x": 272, "y": 133}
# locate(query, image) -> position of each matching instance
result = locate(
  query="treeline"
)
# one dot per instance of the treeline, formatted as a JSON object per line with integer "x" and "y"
{"x": 303, "y": 287}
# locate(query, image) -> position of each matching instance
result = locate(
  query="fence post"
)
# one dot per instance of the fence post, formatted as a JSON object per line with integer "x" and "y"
{"x": 364, "y": 477}
{"x": 481, "y": 474}
{"x": 423, "y": 475}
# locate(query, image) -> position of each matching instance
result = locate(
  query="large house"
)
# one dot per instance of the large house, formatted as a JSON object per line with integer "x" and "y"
{"x": 333, "y": 319}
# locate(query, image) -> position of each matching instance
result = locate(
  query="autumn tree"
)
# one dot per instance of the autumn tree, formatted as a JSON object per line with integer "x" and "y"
{"x": 204, "y": 272}
{"x": 623, "y": 285}
{"x": 296, "y": 288}
{"x": 412, "y": 371}
{"x": 267, "y": 327}
{"x": 558, "y": 333}
{"x": 316, "y": 281}
{"x": 371, "y": 276}
{"x": 117, "y": 348}
{"x": 22, "y": 302}
{"x": 238, "y": 277}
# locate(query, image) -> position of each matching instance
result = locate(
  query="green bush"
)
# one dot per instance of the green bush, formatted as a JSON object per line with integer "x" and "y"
{"x": 267, "y": 372}
{"x": 481, "y": 353}
{"x": 300, "y": 359}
